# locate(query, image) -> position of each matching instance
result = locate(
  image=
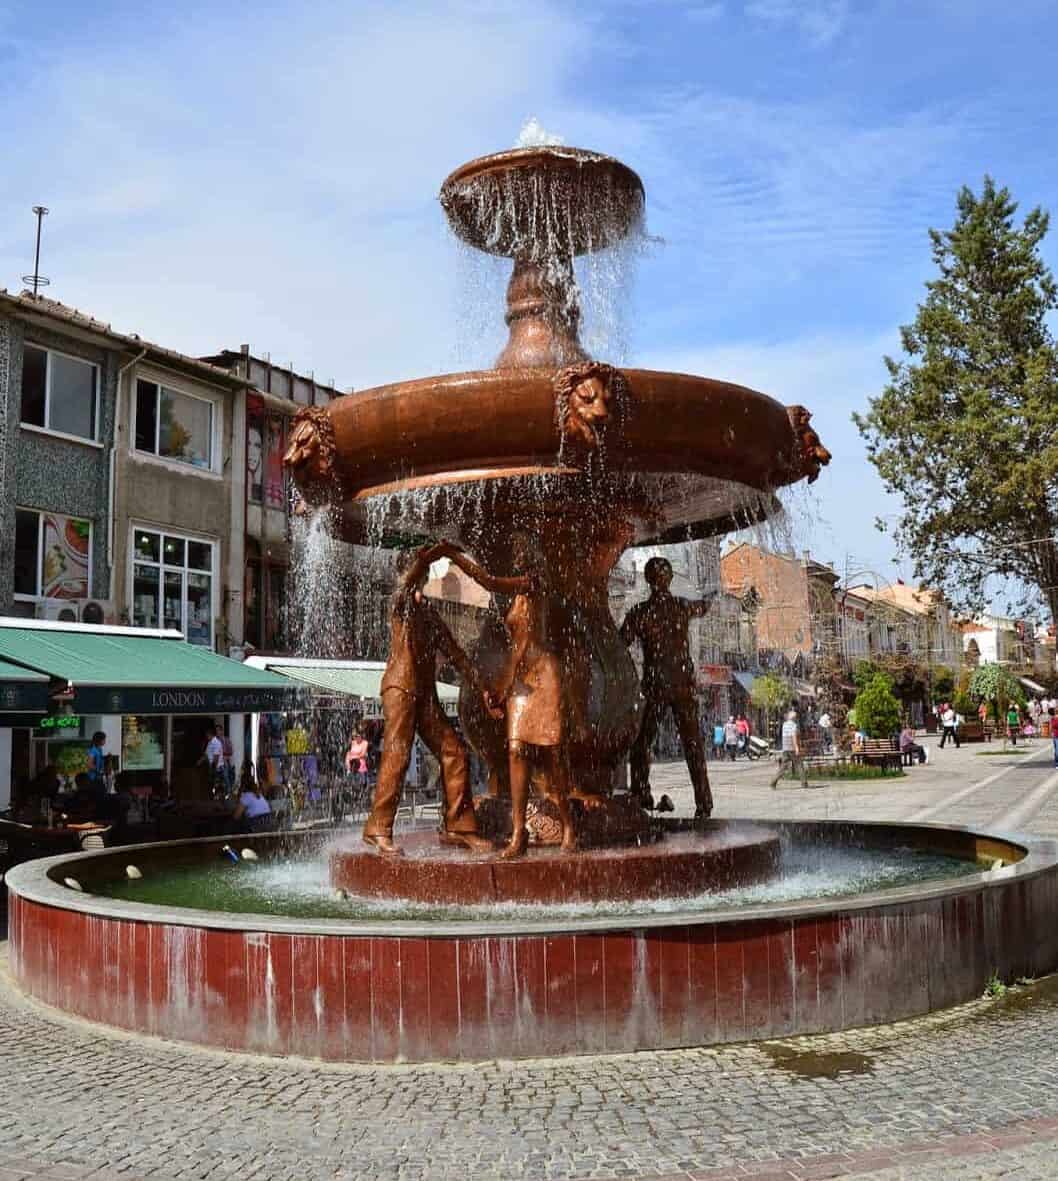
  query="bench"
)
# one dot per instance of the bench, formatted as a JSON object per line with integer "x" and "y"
{"x": 880, "y": 752}
{"x": 975, "y": 732}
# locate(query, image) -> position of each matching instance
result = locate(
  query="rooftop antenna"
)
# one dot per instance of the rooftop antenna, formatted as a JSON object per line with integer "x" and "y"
{"x": 37, "y": 279}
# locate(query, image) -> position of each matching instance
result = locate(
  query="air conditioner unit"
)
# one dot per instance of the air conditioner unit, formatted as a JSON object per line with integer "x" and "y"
{"x": 60, "y": 610}
{"x": 77, "y": 610}
{"x": 97, "y": 611}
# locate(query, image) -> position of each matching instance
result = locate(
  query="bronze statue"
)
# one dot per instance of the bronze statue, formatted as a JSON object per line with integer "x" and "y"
{"x": 660, "y": 626}
{"x": 530, "y": 692}
{"x": 410, "y": 704}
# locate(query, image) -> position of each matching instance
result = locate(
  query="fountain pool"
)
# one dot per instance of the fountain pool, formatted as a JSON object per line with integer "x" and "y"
{"x": 863, "y": 923}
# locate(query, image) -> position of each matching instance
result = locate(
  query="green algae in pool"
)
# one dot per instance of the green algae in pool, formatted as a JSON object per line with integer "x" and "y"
{"x": 300, "y": 888}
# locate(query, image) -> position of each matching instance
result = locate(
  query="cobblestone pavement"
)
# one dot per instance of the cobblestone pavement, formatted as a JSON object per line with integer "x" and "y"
{"x": 969, "y": 1093}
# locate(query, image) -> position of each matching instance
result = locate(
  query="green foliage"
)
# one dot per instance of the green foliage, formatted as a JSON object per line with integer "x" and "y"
{"x": 966, "y": 430}
{"x": 963, "y": 704}
{"x": 943, "y": 681}
{"x": 865, "y": 672}
{"x": 996, "y": 684}
{"x": 877, "y": 710}
{"x": 770, "y": 692}
{"x": 849, "y": 771}
{"x": 994, "y": 987}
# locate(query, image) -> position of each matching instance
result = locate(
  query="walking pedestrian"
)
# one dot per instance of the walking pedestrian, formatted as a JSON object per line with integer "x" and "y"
{"x": 790, "y": 755}
{"x": 949, "y": 726}
{"x": 742, "y": 725}
{"x": 1013, "y": 721}
{"x": 731, "y": 738}
{"x": 1051, "y": 723}
{"x": 718, "y": 740}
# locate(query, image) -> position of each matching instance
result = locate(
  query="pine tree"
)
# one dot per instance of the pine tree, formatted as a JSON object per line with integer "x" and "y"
{"x": 966, "y": 430}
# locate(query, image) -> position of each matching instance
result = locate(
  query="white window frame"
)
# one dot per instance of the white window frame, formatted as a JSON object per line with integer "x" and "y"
{"x": 92, "y": 440}
{"x": 161, "y": 532}
{"x": 41, "y": 513}
{"x": 179, "y": 465}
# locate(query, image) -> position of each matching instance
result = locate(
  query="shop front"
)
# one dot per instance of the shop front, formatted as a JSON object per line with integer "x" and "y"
{"x": 305, "y": 744}
{"x": 155, "y": 697}
{"x": 23, "y": 699}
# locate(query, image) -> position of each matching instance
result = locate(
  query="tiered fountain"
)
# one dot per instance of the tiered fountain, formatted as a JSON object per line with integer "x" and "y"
{"x": 452, "y": 955}
{"x": 578, "y": 459}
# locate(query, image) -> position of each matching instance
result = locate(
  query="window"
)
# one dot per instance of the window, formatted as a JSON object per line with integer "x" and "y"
{"x": 59, "y": 393}
{"x": 172, "y": 584}
{"x": 174, "y": 425}
{"x": 265, "y": 604}
{"x": 53, "y": 556}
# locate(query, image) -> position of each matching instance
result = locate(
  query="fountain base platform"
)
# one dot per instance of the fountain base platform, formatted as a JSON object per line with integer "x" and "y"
{"x": 716, "y": 857}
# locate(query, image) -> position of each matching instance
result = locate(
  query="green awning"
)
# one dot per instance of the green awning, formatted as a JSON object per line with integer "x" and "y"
{"x": 118, "y": 671}
{"x": 350, "y": 681}
{"x": 21, "y": 689}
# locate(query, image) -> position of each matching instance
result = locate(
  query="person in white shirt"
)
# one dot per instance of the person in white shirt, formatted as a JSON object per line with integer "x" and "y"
{"x": 791, "y": 756}
{"x": 253, "y": 811}
{"x": 214, "y": 759}
{"x": 950, "y": 727}
{"x": 826, "y": 730}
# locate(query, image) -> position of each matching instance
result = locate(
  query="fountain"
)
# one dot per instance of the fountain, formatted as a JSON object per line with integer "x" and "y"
{"x": 579, "y": 459}
{"x": 615, "y": 929}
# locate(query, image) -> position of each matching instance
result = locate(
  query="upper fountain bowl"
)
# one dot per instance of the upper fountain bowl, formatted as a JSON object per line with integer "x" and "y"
{"x": 533, "y": 203}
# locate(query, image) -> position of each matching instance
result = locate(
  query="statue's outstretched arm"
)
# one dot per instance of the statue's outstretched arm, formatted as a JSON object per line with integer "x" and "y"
{"x": 516, "y": 584}
{"x": 701, "y": 607}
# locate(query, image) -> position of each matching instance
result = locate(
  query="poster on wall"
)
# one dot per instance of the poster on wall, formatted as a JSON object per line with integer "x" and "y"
{"x": 69, "y": 758}
{"x": 255, "y": 458}
{"x": 142, "y": 743}
{"x": 275, "y": 496}
{"x": 65, "y": 557}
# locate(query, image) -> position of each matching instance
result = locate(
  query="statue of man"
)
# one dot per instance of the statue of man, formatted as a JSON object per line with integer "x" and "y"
{"x": 410, "y": 704}
{"x": 660, "y": 626}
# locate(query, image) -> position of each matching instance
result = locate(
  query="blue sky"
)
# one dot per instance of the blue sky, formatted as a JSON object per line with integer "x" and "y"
{"x": 268, "y": 174}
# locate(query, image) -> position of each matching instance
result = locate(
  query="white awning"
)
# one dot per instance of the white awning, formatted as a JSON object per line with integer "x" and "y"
{"x": 1035, "y": 686}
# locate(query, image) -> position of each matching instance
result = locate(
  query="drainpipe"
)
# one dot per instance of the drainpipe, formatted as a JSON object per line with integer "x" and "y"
{"x": 111, "y": 482}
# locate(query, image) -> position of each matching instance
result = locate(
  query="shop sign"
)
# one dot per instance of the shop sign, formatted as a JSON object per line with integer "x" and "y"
{"x": 59, "y": 726}
{"x": 157, "y": 700}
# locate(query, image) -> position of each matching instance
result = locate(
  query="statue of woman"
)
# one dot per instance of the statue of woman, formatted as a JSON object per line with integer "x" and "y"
{"x": 530, "y": 691}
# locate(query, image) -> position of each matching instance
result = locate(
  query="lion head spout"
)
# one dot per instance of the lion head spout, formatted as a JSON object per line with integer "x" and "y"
{"x": 811, "y": 455}
{"x": 311, "y": 456}
{"x": 591, "y": 400}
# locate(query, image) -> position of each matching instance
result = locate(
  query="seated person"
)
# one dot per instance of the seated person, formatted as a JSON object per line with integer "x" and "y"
{"x": 253, "y": 812}
{"x": 84, "y": 802}
{"x": 908, "y": 745}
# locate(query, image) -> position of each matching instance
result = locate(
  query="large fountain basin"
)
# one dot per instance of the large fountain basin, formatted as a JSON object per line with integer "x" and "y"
{"x": 432, "y": 990}
{"x": 467, "y": 428}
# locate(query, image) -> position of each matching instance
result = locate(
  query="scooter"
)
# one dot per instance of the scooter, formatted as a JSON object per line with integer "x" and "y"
{"x": 757, "y": 748}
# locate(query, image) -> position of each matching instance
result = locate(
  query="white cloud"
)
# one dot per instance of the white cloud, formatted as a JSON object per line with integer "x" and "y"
{"x": 819, "y": 21}
{"x": 270, "y": 183}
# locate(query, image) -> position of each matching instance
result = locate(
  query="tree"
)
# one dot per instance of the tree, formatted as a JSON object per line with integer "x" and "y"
{"x": 864, "y": 672}
{"x": 877, "y": 710}
{"x": 943, "y": 680}
{"x": 997, "y": 685}
{"x": 770, "y": 692}
{"x": 966, "y": 430}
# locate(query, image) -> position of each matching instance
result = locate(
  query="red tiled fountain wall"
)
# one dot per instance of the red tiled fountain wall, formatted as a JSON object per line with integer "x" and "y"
{"x": 391, "y": 998}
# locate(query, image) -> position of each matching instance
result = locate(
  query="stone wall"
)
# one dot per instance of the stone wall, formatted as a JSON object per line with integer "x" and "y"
{"x": 50, "y": 473}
